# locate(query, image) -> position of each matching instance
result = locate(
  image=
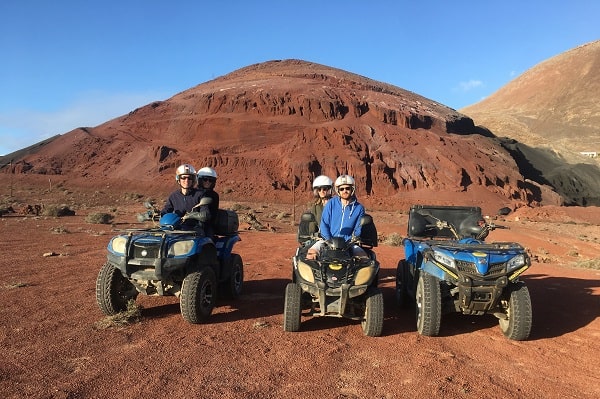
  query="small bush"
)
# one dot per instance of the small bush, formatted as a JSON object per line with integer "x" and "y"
{"x": 590, "y": 264}
{"x": 393, "y": 240}
{"x": 133, "y": 314}
{"x": 58, "y": 210}
{"x": 99, "y": 218}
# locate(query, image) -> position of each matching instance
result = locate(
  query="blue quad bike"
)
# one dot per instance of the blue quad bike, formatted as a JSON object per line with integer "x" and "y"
{"x": 337, "y": 284}
{"x": 449, "y": 268}
{"x": 173, "y": 260}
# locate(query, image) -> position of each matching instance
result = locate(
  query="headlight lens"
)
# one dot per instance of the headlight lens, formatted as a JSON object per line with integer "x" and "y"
{"x": 516, "y": 262}
{"x": 119, "y": 244}
{"x": 364, "y": 275}
{"x": 305, "y": 272}
{"x": 444, "y": 259}
{"x": 181, "y": 248}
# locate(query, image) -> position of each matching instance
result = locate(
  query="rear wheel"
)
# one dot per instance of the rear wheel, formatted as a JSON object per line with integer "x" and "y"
{"x": 402, "y": 297}
{"x": 292, "y": 307}
{"x": 113, "y": 291}
{"x": 517, "y": 306}
{"x": 235, "y": 282}
{"x": 372, "y": 322}
{"x": 428, "y": 305}
{"x": 198, "y": 295}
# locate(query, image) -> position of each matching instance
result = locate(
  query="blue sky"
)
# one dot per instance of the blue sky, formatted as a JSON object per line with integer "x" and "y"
{"x": 71, "y": 63}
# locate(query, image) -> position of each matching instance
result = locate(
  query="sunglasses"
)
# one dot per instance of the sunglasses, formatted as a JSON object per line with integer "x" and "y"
{"x": 210, "y": 179}
{"x": 324, "y": 188}
{"x": 186, "y": 178}
{"x": 345, "y": 188}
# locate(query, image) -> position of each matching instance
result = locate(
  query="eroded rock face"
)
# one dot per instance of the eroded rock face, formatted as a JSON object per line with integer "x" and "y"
{"x": 270, "y": 128}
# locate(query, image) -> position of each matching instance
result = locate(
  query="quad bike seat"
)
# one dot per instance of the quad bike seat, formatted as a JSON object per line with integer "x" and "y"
{"x": 368, "y": 234}
{"x": 422, "y": 221}
{"x": 308, "y": 228}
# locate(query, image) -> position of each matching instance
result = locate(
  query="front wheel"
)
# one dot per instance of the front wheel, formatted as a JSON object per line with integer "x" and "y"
{"x": 292, "y": 308}
{"x": 198, "y": 295}
{"x": 429, "y": 305}
{"x": 113, "y": 291}
{"x": 518, "y": 321}
{"x": 372, "y": 322}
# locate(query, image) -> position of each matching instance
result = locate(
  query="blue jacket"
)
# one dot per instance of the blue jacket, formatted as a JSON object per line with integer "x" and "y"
{"x": 341, "y": 221}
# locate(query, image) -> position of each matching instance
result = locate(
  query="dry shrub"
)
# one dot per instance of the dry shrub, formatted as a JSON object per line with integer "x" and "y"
{"x": 99, "y": 218}
{"x": 58, "y": 210}
{"x": 593, "y": 264}
{"x": 393, "y": 240}
{"x": 132, "y": 314}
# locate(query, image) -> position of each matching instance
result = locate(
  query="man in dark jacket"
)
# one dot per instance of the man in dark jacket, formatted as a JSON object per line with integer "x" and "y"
{"x": 183, "y": 200}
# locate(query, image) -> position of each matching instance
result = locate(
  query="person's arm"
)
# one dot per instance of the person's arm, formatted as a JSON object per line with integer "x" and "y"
{"x": 324, "y": 226}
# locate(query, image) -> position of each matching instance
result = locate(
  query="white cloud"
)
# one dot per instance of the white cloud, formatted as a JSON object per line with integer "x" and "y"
{"x": 23, "y": 127}
{"x": 469, "y": 85}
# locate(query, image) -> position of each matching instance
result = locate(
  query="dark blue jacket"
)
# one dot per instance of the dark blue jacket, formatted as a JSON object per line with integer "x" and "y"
{"x": 181, "y": 204}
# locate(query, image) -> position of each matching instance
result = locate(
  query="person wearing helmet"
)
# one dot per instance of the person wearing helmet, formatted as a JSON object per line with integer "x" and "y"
{"x": 322, "y": 191}
{"x": 207, "y": 180}
{"x": 182, "y": 200}
{"x": 341, "y": 217}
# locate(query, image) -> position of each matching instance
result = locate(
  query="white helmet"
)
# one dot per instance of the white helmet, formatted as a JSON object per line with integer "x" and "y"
{"x": 207, "y": 172}
{"x": 322, "y": 181}
{"x": 185, "y": 169}
{"x": 345, "y": 180}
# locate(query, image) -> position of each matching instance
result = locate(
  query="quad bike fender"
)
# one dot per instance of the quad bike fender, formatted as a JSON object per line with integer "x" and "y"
{"x": 437, "y": 271}
{"x": 225, "y": 245}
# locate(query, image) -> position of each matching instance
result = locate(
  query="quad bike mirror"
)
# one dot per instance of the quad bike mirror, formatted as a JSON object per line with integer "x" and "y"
{"x": 203, "y": 201}
{"x": 417, "y": 225}
{"x": 471, "y": 226}
{"x": 366, "y": 219}
{"x": 307, "y": 217}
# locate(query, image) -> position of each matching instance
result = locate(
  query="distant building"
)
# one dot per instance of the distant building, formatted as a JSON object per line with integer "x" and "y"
{"x": 591, "y": 154}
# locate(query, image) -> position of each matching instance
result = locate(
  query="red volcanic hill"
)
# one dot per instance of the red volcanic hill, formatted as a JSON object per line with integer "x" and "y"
{"x": 269, "y": 128}
{"x": 553, "y": 110}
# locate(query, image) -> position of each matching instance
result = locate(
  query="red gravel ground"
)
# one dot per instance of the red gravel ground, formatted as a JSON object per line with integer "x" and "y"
{"x": 53, "y": 343}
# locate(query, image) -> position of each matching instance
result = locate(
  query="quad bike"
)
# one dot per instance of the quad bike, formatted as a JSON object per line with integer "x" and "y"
{"x": 173, "y": 260}
{"x": 449, "y": 268}
{"x": 337, "y": 284}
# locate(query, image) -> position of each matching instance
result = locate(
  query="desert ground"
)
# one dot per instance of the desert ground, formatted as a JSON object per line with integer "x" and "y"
{"x": 55, "y": 342}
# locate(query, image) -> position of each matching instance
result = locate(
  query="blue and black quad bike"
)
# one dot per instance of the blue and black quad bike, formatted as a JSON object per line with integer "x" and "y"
{"x": 449, "y": 268}
{"x": 173, "y": 259}
{"x": 337, "y": 284}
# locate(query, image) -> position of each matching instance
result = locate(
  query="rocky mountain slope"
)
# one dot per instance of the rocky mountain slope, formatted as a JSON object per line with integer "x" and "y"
{"x": 553, "y": 111}
{"x": 271, "y": 127}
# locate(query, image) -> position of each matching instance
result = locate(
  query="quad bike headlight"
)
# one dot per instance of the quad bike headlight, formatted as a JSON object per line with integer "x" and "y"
{"x": 305, "y": 272}
{"x": 444, "y": 259}
{"x": 118, "y": 244}
{"x": 516, "y": 262}
{"x": 180, "y": 248}
{"x": 364, "y": 275}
